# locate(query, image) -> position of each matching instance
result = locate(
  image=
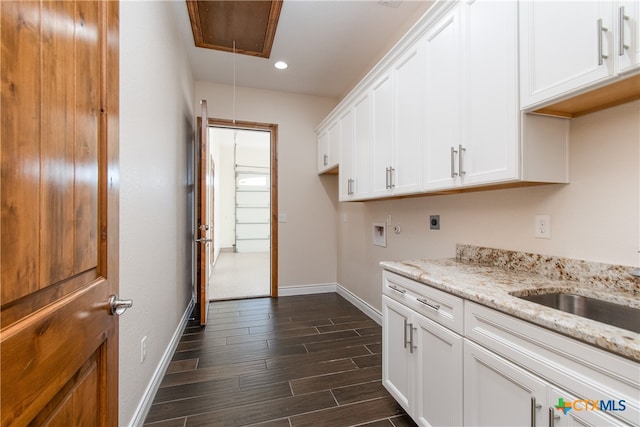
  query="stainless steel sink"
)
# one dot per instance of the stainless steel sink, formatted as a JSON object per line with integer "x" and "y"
{"x": 601, "y": 311}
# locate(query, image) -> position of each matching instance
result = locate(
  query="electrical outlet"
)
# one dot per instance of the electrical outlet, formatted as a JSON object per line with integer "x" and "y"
{"x": 543, "y": 226}
{"x": 434, "y": 222}
{"x": 143, "y": 349}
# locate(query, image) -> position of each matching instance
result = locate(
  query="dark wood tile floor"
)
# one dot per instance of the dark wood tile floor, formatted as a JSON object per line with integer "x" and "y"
{"x": 312, "y": 360}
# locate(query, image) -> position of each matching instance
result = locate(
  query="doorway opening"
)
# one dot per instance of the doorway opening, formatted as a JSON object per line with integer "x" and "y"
{"x": 245, "y": 210}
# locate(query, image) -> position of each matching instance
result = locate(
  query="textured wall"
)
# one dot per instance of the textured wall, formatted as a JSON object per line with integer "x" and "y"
{"x": 156, "y": 137}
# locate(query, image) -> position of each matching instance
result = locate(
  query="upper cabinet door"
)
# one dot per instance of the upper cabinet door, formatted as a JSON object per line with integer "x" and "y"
{"x": 323, "y": 151}
{"x": 627, "y": 48}
{"x": 329, "y": 148}
{"x": 363, "y": 125}
{"x": 346, "y": 155}
{"x": 565, "y": 46}
{"x": 381, "y": 149}
{"x": 443, "y": 106}
{"x": 406, "y": 174}
{"x": 490, "y": 137}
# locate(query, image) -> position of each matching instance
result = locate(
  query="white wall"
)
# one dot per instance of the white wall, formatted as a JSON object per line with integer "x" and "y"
{"x": 596, "y": 217}
{"x": 221, "y": 140}
{"x": 308, "y": 240}
{"x": 156, "y": 137}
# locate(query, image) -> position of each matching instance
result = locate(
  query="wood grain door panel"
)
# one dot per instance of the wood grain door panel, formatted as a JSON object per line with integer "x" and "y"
{"x": 204, "y": 214}
{"x": 59, "y": 199}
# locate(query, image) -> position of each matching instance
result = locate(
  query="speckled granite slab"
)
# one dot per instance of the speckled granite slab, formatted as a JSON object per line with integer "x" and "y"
{"x": 495, "y": 278}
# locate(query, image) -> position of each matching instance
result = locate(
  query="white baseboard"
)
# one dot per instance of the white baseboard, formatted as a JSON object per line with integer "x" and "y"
{"x": 364, "y": 306}
{"x": 147, "y": 398}
{"x": 322, "y": 288}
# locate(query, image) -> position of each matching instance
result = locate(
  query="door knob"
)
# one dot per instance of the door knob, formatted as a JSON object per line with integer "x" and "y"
{"x": 119, "y": 306}
{"x": 204, "y": 227}
{"x": 204, "y": 240}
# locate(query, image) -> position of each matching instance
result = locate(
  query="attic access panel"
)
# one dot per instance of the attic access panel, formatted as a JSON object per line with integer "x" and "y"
{"x": 252, "y": 24}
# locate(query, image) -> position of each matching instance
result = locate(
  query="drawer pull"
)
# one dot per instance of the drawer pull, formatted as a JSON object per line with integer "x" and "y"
{"x": 425, "y": 302}
{"x": 395, "y": 288}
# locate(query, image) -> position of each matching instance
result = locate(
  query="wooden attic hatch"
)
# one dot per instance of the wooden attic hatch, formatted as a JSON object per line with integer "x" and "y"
{"x": 251, "y": 24}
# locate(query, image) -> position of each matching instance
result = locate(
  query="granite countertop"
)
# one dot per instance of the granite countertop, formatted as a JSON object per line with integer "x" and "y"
{"x": 495, "y": 278}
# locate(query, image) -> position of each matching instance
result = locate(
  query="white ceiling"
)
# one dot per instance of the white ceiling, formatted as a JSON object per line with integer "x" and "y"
{"x": 329, "y": 46}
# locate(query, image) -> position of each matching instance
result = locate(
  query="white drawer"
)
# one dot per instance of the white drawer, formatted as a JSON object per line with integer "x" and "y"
{"x": 439, "y": 306}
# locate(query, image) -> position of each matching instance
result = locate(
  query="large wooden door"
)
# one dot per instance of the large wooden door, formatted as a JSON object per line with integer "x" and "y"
{"x": 204, "y": 233}
{"x": 59, "y": 198}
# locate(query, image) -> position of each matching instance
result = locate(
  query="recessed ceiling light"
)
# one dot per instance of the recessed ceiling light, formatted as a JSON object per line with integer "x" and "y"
{"x": 281, "y": 65}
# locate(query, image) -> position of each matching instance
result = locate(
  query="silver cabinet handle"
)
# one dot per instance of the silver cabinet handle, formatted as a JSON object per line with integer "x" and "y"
{"x": 621, "y": 18}
{"x": 461, "y": 150}
{"x": 118, "y": 306}
{"x": 425, "y": 302}
{"x": 405, "y": 333}
{"x": 601, "y": 55}
{"x": 386, "y": 179}
{"x": 453, "y": 162}
{"x": 389, "y": 178}
{"x": 411, "y": 346}
{"x": 553, "y": 417}
{"x": 350, "y": 186}
{"x": 204, "y": 241}
{"x": 534, "y": 408}
{"x": 325, "y": 159}
{"x": 397, "y": 289}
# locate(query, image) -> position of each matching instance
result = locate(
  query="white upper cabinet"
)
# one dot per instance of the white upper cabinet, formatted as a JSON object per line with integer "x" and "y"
{"x": 472, "y": 116}
{"x": 323, "y": 151}
{"x": 363, "y": 131}
{"x": 346, "y": 155}
{"x": 490, "y": 139}
{"x": 443, "y": 102}
{"x": 382, "y": 140}
{"x": 406, "y": 176}
{"x": 441, "y": 111}
{"x": 396, "y": 157}
{"x": 570, "y": 46}
{"x": 329, "y": 148}
{"x": 357, "y": 131}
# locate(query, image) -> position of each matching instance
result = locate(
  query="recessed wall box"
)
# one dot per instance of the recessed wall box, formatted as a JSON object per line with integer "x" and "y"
{"x": 380, "y": 234}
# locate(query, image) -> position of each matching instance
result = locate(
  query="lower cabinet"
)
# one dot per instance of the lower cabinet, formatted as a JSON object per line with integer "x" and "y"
{"x": 422, "y": 366}
{"x": 495, "y": 370}
{"x": 439, "y": 374}
{"x": 397, "y": 351}
{"x": 499, "y": 393}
